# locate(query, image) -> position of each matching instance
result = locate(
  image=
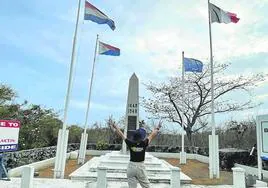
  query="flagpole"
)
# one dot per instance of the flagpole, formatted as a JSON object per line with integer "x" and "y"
{"x": 84, "y": 136}
{"x": 183, "y": 93}
{"x": 211, "y": 75}
{"x": 63, "y": 134}
{"x": 182, "y": 154}
{"x": 91, "y": 82}
{"x": 213, "y": 171}
{"x": 71, "y": 68}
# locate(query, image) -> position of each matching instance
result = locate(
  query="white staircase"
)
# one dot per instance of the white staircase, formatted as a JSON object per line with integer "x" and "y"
{"x": 158, "y": 170}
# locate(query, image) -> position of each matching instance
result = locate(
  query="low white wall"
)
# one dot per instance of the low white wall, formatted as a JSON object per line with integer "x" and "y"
{"x": 73, "y": 155}
{"x": 252, "y": 170}
{"x": 155, "y": 154}
{"x": 15, "y": 172}
{"x": 201, "y": 158}
{"x": 97, "y": 152}
{"x": 165, "y": 155}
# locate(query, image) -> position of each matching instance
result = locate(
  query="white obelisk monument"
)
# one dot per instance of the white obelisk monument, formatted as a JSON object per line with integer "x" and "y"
{"x": 132, "y": 109}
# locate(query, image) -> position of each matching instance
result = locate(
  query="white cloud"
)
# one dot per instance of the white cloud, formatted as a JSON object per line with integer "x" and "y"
{"x": 82, "y": 105}
{"x": 151, "y": 41}
{"x": 164, "y": 44}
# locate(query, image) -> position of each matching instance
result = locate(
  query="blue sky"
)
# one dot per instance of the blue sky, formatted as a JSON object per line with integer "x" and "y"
{"x": 36, "y": 43}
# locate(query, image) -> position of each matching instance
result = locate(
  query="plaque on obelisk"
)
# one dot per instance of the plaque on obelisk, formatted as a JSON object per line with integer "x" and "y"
{"x": 132, "y": 109}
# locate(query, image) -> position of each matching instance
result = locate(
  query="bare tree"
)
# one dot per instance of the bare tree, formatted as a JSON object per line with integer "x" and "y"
{"x": 166, "y": 101}
{"x": 240, "y": 134}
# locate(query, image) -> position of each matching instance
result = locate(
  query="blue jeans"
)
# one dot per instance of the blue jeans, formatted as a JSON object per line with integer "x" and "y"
{"x": 3, "y": 171}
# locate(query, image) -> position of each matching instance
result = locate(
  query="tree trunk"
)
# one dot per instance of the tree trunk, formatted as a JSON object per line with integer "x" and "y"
{"x": 189, "y": 137}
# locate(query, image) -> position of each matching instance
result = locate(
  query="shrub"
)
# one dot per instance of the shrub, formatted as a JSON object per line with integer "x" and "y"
{"x": 102, "y": 145}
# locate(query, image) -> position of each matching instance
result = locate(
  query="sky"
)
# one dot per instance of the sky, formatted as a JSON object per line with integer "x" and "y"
{"x": 36, "y": 44}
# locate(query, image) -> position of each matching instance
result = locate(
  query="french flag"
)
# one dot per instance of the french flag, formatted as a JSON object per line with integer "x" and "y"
{"x": 95, "y": 15}
{"x": 106, "y": 49}
{"x": 221, "y": 16}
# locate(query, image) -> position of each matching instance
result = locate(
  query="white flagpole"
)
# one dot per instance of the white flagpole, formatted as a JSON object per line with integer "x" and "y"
{"x": 214, "y": 145}
{"x": 182, "y": 154}
{"x": 63, "y": 134}
{"x": 71, "y": 68}
{"x": 83, "y": 144}
{"x": 91, "y": 82}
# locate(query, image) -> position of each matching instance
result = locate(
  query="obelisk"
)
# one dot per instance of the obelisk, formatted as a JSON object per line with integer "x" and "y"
{"x": 132, "y": 109}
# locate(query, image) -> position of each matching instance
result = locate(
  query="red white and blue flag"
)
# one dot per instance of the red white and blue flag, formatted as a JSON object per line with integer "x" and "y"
{"x": 106, "y": 49}
{"x": 222, "y": 16}
{"x": 95, "y": 15}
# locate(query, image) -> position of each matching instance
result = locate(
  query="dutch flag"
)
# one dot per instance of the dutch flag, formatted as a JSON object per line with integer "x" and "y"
{"x": 95, "y": 15}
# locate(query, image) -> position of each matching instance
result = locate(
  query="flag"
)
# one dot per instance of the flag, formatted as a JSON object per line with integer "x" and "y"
{"x": 192, "y": 65}
{"x": 106, "y": 49}
{"x": 221, "y": 16}
{"x": 95, "y": 15}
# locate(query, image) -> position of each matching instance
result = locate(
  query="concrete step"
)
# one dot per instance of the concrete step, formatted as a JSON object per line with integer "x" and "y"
{"x": 125, "y": 163}
{"x": 126, "y": 158}
{"x": 158, "y": 170}
{"x": 122, "y": 169}
{"x": 122, "y": 177}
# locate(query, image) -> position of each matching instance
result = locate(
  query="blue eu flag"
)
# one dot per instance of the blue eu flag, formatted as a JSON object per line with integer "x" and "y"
{"x": 192, "y": 65}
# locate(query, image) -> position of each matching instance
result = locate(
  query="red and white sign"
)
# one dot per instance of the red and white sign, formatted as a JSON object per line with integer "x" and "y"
{"x": 9, "y": 135}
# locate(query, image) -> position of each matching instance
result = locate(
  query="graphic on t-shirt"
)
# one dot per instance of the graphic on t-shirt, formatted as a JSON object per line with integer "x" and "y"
{"x": 136, "y": 149}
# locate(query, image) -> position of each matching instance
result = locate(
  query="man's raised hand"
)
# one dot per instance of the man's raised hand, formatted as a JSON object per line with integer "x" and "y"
{"x": 112, "y": 123}
{"x": 159, "y": 125}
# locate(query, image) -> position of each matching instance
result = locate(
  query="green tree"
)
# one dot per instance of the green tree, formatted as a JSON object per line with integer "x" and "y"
{"x": 75, "y": 133}
{"x": 49, "y": 127}
{"x": 7, "y": 108}
{"x": 7, "y": 94}
{"x": 39, "y": 126}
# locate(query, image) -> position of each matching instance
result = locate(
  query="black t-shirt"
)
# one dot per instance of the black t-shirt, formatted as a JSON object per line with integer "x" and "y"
{"x": 137, "y": 150}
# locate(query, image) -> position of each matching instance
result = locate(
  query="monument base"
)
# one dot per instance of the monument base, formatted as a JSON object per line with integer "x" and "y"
{"x": 82, "y": 149}
{"x": 158, "y": 171}
{"x": 214, "y": 169}
{"x": 182, "y": 157}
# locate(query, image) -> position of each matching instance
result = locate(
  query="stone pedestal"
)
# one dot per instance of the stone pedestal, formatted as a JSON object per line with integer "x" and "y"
{"x": 182, "y": 157}
{"x": 82, "y": 149}
{"x": 101, "y": 179}
{"x": 175, "y": 181}
{"x": 27, "y": 177}
{"x": 61, "y": 153}
{"x": 214, "y": 169}
{"x": 239, "y": 180}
